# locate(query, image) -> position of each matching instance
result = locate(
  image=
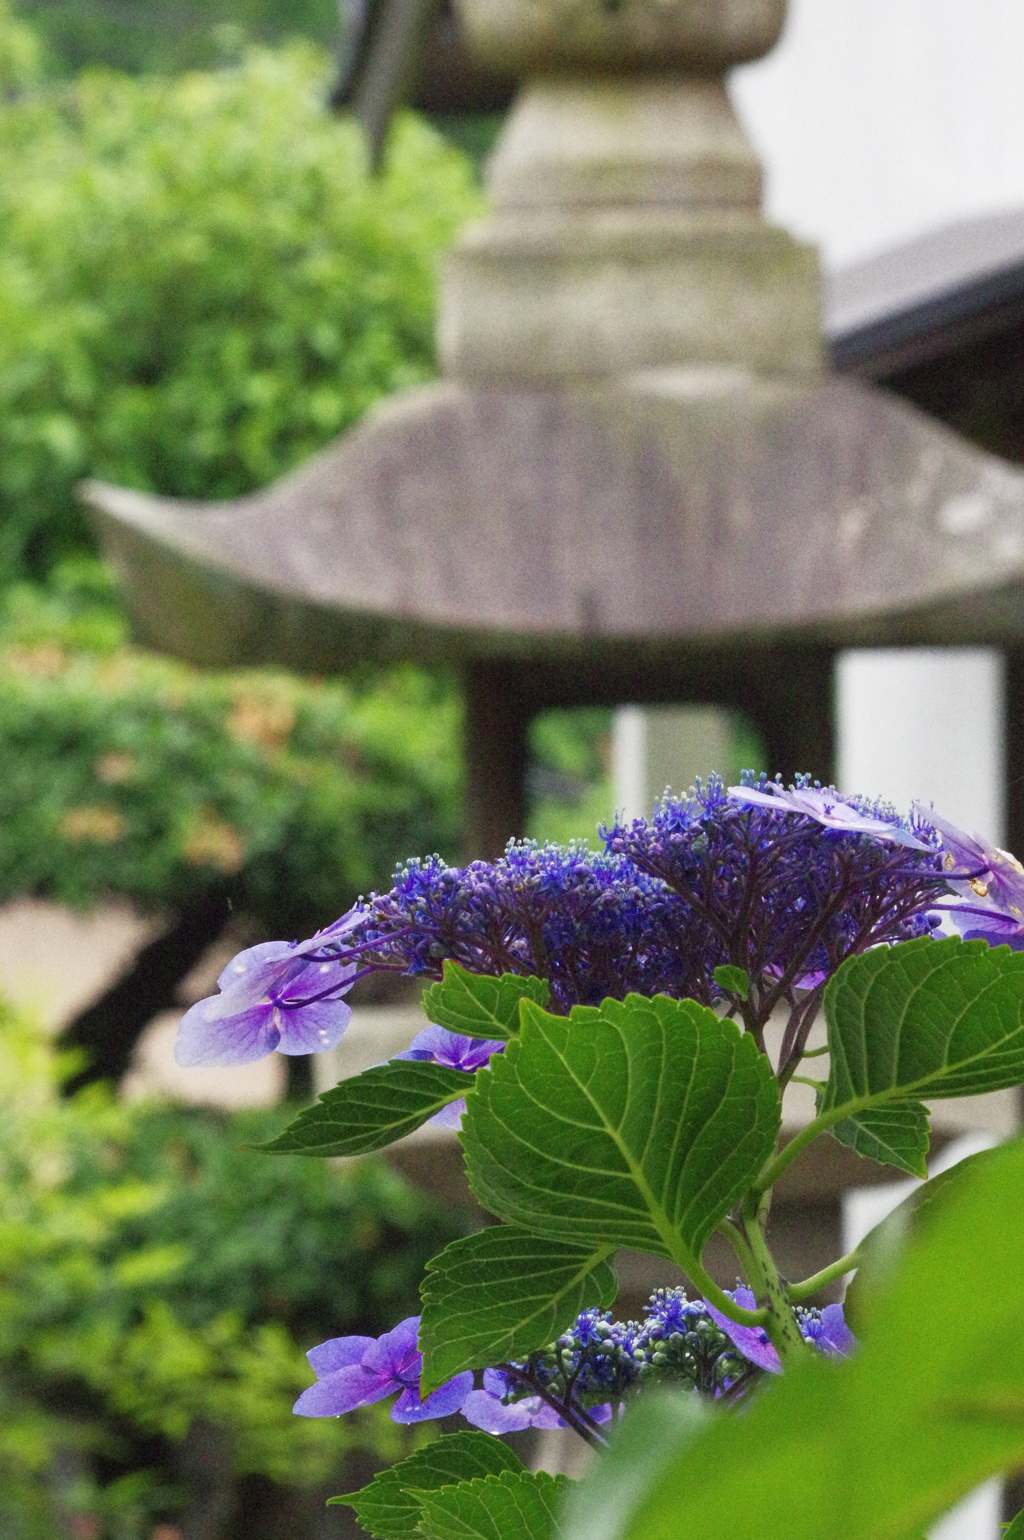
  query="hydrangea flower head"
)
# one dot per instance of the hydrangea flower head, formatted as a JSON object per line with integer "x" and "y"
{"x": 592, "y": 924}
{"x": 357, "y": 1371}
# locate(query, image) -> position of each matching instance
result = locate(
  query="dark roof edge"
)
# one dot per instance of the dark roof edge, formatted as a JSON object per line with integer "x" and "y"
{"x": 934, "y": 327}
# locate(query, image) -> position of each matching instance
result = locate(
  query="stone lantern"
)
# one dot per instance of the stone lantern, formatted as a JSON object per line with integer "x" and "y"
{"x": 635, "y": 480}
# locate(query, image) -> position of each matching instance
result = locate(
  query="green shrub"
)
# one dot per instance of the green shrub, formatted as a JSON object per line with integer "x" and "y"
{"x": 200, "y": 284}
{"x": 123, "y": 773}
{"x": 151, "y": 35}
{"x": 155, "y": 1278}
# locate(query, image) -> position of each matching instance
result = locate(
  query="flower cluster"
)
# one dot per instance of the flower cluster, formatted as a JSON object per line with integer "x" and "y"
{"x": 752, "y": 894}
{"x": 357, "y": 1371}
{"x": 279, "y": 995}
{"x": 579, "y": 1381}
{"x": 593, "y": 925}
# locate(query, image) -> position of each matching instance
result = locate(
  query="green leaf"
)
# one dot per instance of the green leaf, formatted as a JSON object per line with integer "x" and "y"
{"x": 371, "y": 1110}
{"x": 882, "y": 1246}
{"x": 658, "y": 1427}
{"x": 500, "y": 1294}
{"x": 636, "y": 1124}
{"x": 877, "y": 1448}
{"x": 895, "y": 1135}
{"x": 924, "y": 1019}
{"x": 385, "y": 1509}
{"x": 476, "y": 1005}
{"x": 522, "y": 1506}
{"x": 735, "y": 980}
{"x": 1015, "y": 1530}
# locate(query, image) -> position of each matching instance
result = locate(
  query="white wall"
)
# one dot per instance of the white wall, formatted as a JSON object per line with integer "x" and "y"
{"x": 926, "y": 725}
{"x": 881, "y": 119}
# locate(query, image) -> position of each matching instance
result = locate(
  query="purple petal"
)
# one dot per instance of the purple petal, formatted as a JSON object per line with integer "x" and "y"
{"x": 443, "y": 1402}
{"x": 996, "y": 935}
{"x": 338, "y": 1353}
{"x": 450, "y": 1116}
{"x": 828, "y": 809}
{"x": 343, "y": 1391}
{"x": 486, "y": 1411}
{"x": 752, "y": 1341}
{"x": 451, "y": 1049}
{"x": 834, "y": 1336}
{"x": 210, "y": 1035}
{"x": 396, "y": 1353}
{"x": 313, "y": 1028}
{"x": 256, "y": 964}
{"x": 755, "y": 798}
{"x": 332, "y": 933}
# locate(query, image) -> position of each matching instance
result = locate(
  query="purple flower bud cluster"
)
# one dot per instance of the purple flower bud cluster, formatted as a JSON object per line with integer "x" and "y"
{"x": 593, "y": 925}
{"x": 581, "y": 1380}
{"x": 787, "y": 883}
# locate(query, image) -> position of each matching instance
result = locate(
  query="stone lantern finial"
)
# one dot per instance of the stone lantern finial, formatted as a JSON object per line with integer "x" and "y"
{"x": 626, "y": 232}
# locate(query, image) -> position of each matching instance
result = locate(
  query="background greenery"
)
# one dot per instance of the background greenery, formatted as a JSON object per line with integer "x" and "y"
{"x": 124, "y": 772}
{"x": 200, "y": 284}
{"x": 157, "y": 1281}
{"x": 168, "y": 35}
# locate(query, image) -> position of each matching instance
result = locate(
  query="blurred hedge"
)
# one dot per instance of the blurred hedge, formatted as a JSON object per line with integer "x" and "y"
{"x": 156, "y": 1280}
{"x": 199, "y": 282}
{"x": 168, "y": 35}
{"x": 124, "y": 773}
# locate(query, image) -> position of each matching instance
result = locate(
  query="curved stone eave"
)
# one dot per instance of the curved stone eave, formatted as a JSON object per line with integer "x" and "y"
{"x": 675, "y": 512}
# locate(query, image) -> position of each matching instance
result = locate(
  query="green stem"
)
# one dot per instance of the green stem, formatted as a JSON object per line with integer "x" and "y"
{"x": 814, "y": 1053}
{"x": 799, "y": 1142}
{"x": 734, "y": 1235}
{"x": 721, "y": 1301}
{"x": 781, "y": 1324}
{"x": 800, "y": 1291}
{"x": 805, "y": 1080}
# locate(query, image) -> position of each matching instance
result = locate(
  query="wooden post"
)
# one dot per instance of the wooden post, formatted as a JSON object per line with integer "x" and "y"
{"x": 790, "y": 698}
{"x": 496, "y": 723}
{"x": 1014, "y": 765}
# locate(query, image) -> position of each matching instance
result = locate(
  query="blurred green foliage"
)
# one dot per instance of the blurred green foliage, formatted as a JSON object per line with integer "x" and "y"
{"x": 155, "y": 1278}
{"x": 168, "y": 35}
{"x": 571, "y": 786}
{"x": 200, "y": 284}
{"x": 125, "y": 773}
